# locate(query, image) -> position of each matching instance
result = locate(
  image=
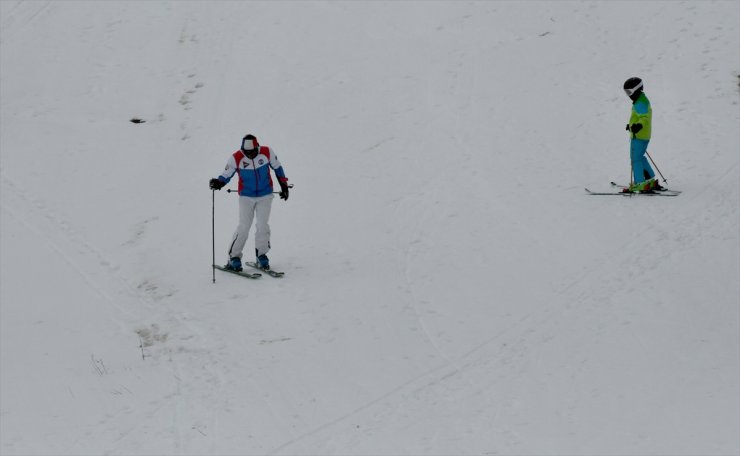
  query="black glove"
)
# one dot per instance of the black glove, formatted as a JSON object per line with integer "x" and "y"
{"x": 635, "y": 128}
{"x": 216, "y": 184}
{"x": 284, "y": 190}
{"x": 627, "y": 127}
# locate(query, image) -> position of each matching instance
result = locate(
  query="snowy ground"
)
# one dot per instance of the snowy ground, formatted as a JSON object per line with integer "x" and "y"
{"x": 449, "y": 287}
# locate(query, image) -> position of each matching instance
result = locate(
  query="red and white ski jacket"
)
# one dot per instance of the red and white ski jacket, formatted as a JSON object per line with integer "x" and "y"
{"x": 254, "y": 173}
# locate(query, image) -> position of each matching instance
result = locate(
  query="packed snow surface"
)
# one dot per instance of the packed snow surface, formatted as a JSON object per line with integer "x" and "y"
{"x": 449, "y": 286}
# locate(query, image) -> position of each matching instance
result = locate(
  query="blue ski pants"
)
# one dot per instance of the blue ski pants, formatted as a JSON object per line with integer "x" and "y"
{"x": 641, "y": 170}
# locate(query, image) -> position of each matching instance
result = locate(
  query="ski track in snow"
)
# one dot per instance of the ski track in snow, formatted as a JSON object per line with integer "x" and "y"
{"x": 132, "y": 303}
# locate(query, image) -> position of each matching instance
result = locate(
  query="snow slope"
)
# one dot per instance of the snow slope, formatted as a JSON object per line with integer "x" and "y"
{"x": 449, "y": 287}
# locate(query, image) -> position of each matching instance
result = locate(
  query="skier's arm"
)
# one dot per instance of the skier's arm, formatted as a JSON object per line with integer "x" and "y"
{"x": 278, "y": 168}
{"x": 641, "y": 116}
{"x": 229, "y": 171}
{"x": 280, "y": 173}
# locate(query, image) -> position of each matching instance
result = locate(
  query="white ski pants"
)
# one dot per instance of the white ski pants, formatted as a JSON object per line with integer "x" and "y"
{"x": 249, "y": 209}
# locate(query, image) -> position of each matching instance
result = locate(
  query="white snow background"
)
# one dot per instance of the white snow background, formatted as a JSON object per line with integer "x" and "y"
{"x": 449, "y": 288}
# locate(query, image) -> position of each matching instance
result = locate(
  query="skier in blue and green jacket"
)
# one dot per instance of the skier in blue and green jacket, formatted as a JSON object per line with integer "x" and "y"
{"x": 640, "y": 126}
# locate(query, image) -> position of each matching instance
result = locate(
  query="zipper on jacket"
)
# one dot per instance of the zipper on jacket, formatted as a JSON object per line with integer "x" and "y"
{"x": 256, "y": 179}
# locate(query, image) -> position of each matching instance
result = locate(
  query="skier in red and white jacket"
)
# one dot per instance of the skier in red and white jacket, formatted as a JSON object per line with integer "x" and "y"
{"x": 253, "y": 162}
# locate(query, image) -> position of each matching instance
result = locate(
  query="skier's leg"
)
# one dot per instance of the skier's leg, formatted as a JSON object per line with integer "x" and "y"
{"x": 246, "y": 216}
{"x": 638, "y": 147}
{"x": 262, "y": 234}
{"x": 647, "y": 169}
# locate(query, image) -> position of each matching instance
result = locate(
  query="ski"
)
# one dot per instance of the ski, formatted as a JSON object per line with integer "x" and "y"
{"x": 630, "y": 193}
{"x": 248, "y": 275}
{"x": 614, "y": 184}
{"x": 269, "y": 272}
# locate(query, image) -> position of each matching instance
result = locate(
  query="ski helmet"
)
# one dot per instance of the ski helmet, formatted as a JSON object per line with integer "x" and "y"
{"x": 249, "y": 143}
{"x": 632, "y": 86}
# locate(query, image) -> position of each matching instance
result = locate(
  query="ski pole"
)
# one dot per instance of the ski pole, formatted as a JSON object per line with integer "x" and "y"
{"x": 656, "y": 167}
{"x": 213, "y": 234}
{"x": 237, "y": 191}
{"x": 632, "y": 166}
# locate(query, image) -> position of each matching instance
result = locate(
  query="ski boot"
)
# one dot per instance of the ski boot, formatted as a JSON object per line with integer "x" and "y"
{"x": 643, "y": 187}
{"x": 263, "y": 262}
{"x": 234, "y": 264}
{"x": 657, "y": 187}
